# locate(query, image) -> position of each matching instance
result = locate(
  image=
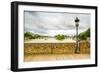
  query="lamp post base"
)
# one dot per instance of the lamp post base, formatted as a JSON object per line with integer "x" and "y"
{"x": 77, "y": 51}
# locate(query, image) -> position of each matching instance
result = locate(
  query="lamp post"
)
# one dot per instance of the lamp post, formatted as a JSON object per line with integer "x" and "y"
{"x": 77, "y": 48}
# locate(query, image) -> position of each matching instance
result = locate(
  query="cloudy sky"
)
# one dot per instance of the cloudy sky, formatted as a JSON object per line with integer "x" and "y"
{"x": 53, "y": 23}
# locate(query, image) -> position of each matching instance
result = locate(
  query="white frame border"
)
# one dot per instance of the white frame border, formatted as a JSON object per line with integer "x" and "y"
{"x": 22, "y": 64}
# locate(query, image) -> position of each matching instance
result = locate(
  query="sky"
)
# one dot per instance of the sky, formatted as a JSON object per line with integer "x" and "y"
{"x": 53, "y": 23}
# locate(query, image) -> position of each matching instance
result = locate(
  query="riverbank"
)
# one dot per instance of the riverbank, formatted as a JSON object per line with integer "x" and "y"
{"x": 49, "y": 40}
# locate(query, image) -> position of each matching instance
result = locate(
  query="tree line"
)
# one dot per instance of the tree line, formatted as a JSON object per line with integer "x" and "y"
{"x": 82, "y": 36}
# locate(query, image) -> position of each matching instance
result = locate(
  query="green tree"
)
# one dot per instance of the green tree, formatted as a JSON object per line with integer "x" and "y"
{"x": 28, "y": 35}
{"x": 60, "y": 37}
{"x": 88, "y": 32}
{"x": 85, "y": 34}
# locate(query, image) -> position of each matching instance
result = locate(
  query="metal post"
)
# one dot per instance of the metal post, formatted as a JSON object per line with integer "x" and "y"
{"x": 77, "y": 48}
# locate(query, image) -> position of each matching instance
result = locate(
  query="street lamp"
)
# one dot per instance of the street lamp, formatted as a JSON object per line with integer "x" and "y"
{"x": 77, "y": 48}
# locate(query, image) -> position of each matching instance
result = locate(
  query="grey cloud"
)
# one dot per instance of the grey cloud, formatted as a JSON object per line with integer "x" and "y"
{"x": 41, "y": 21}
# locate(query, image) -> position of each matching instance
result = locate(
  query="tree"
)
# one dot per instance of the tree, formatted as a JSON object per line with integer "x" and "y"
{"x": 88, "y": 32}
{"x": 84, "y": 35}
{"x": 28, "y": 35}
{"x": 60, "y": 37}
